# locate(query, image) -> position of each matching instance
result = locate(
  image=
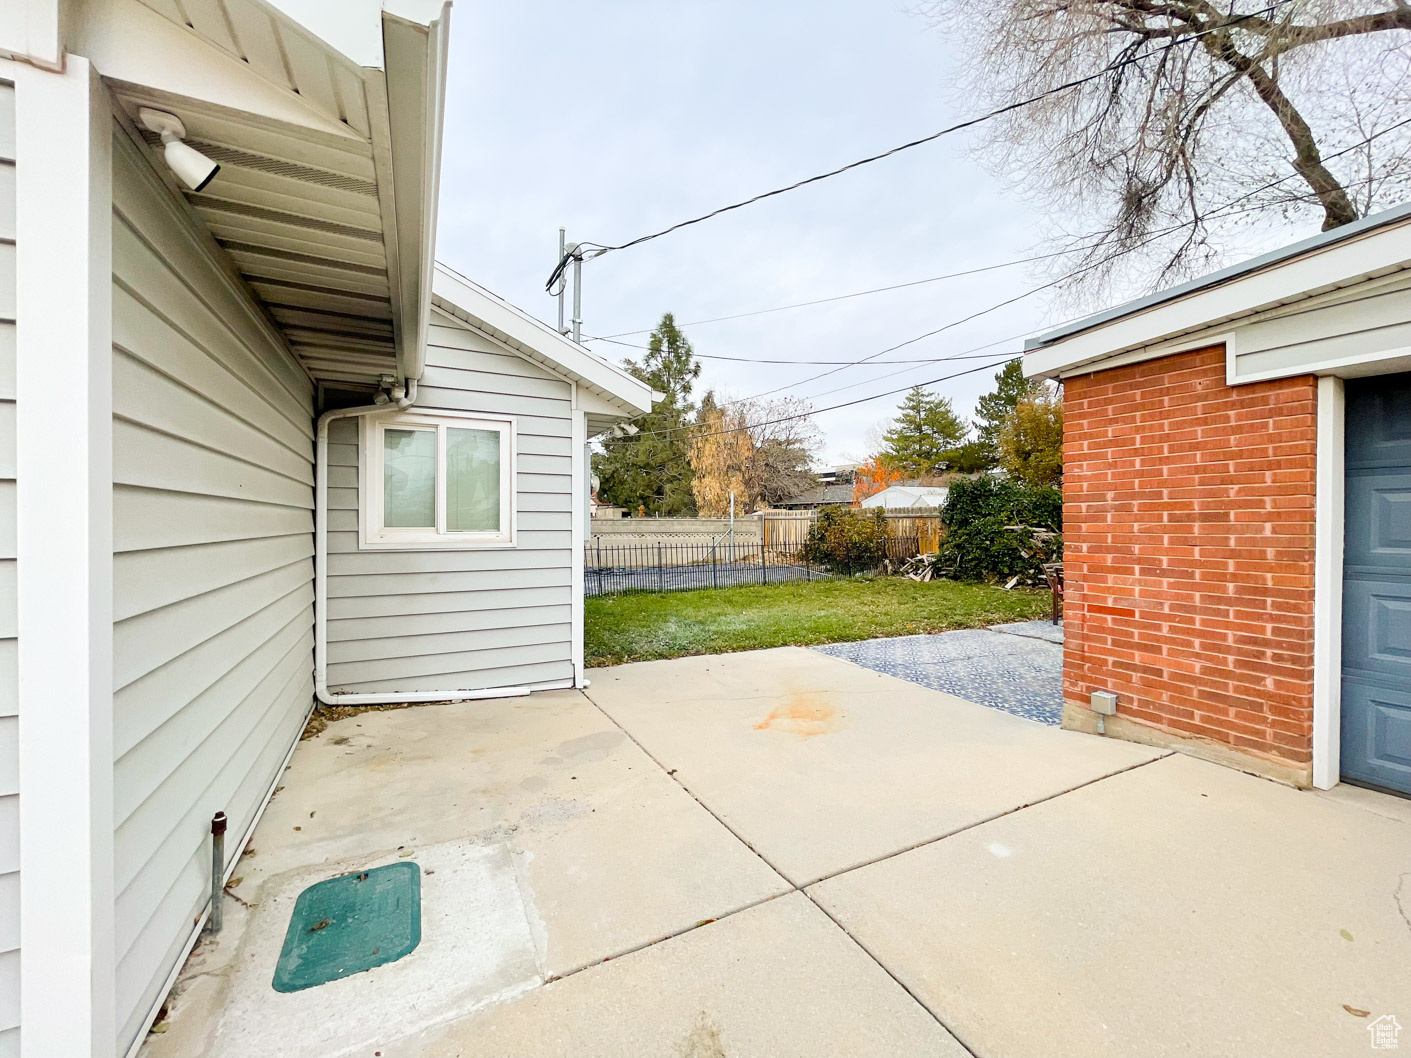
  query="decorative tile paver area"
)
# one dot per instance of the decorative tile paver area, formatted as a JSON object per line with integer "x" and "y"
{"x": 1045, "y": 630}
{"x": 1015, "y": 667}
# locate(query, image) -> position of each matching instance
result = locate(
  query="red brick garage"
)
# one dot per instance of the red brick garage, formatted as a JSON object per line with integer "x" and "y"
{"x": 1188, "y": 548}
{"x": 1204, "y": 486}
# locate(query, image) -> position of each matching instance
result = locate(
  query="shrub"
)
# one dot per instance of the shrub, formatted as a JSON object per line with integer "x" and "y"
{"x": 847, "y": 540}
{"x": 990, "y": 525}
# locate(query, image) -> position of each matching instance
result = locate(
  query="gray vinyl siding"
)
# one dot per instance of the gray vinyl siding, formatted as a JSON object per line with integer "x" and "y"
{"x": 1367, "y": 319}
{"x": 213, "y": 572}
{"x": 404, "y": 621}
{"x": 9, "y": 691}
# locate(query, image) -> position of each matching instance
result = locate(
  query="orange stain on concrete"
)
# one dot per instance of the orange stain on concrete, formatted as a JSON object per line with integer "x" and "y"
{"x": 802, "y": 715}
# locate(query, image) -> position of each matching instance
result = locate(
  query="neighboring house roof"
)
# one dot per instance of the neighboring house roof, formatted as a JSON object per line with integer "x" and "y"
{"x": 820, "y": 495}
{"x": 1376, "y": 246}
{"x": 896, "y": 497}
{"x": 326, "y": 198}
{"x": 607, "y": 392}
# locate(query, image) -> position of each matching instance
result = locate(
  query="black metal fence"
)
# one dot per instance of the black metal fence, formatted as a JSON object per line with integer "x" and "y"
{"x": 612, "y": 568}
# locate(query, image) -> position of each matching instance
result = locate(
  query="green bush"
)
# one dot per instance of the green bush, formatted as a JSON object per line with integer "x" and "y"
{"x": 981, "y": 539}
{"x": 847, "y": 540}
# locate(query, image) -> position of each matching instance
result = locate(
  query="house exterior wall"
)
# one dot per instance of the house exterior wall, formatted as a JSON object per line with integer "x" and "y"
{"x": 9, "y": 693}
{"x": 1189, "y": 557}
{"x": 213, "y": 571}
{"x": 432, "y": 620}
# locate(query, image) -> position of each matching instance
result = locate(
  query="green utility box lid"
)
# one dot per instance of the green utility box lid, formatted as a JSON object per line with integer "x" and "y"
{"x": 350, "y": 924}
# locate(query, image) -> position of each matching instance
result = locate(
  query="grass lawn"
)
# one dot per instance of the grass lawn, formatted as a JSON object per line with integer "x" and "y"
{"x": 622, "y": 628}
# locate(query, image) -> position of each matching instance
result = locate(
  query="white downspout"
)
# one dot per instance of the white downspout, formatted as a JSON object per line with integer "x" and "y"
{"x": 327, "y": 697}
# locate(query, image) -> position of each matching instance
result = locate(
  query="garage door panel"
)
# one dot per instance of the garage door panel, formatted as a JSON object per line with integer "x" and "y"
{"x": 1376, "y": 611}
{"x": 1377, "y": 627}
{"x": 1376, "y": 727}
{"x": 1379, "y": 518}
{"x": 1382, "y": 436}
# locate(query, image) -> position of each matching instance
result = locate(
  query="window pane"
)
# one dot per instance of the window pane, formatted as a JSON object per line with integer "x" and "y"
{"x": 472, "y": 481}
{"x": 409, "y": 479}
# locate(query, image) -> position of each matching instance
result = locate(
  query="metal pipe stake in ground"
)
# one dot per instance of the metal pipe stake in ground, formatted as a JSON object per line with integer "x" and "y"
{"x": 217, "y": 870}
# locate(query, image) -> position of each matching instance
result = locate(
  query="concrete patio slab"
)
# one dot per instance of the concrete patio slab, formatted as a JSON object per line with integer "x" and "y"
{"x": 779, "y": 980}
{"x": 608, "y": 853}
{"x": 821, "y": 765}
{"x": 1180, "y": 908}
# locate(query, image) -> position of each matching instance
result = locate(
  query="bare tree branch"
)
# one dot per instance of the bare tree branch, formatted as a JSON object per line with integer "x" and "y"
{"x": 1267, "y": 91}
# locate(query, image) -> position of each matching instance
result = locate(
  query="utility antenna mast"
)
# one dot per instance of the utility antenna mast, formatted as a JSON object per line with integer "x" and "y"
{"x": 575, "y": 331}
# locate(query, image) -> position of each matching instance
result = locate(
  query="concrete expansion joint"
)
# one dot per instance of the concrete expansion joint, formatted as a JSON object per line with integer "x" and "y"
{"x": 803, "y": 887}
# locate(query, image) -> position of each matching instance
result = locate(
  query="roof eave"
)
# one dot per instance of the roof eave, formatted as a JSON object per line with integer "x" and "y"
{"x": 478, "y": 307}
{"x": 1327, "y": 260}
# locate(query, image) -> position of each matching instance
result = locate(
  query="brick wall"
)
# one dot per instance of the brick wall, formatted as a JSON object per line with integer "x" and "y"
{"x": 1188, "y": 550}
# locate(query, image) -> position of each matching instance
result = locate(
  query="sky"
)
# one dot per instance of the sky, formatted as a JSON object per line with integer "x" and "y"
{"x": 614, "y": 119}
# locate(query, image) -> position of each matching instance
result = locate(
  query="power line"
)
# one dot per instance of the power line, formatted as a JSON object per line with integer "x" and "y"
{"x": 795, "y": 363}
{"x": 1047, "y": 327}
{"x": 836, "y": 297}
{"x": 1216, "y": 211}
{"x": 614, "y": 339}
{"x": 999, "y": 360}
{"x": 1004, "y": 358}
{"x": 598, "y": 249}
{"x": 1155, "y": 236}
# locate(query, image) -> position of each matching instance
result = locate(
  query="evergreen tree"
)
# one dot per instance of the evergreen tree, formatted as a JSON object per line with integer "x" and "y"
{"x": 926, "y": 435}
{"x": 993, "y": 409}
{"x": 652, "y": 468}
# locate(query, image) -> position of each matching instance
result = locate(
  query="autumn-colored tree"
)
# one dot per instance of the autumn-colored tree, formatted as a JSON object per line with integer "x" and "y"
{"x": 872, "y": 477}
{"x": 721, "y": 451}
{"x": 993, "y": 409}
{"x": 1031, "y": 439}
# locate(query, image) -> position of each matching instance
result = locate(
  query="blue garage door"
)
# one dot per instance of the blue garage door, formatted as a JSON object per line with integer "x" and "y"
{"x": 1376, "y": 602}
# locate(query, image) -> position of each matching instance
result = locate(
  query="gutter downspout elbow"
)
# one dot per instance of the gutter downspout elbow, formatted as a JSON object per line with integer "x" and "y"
{"x": 403, "y": 396}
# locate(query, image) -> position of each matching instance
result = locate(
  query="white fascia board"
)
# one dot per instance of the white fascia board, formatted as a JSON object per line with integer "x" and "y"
{"x": 30, "y": 30}
{"x": 1280, "y": 283}
{"x": 481, "y": 309}
{"x": 415, "y": 80}
{"x": 130, "y": 43}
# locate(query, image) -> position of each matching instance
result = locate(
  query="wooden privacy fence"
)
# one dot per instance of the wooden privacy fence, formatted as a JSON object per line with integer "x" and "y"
{"x": 910, "y": 532}
{"x": 925, "y": 529}
{"x": 784, "y": 532}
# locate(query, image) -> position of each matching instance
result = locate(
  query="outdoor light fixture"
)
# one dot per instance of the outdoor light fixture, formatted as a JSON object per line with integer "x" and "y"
{"x": 191, "y": 167}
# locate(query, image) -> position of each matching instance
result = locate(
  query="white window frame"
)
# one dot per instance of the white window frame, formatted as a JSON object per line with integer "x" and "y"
{"x": 373, "y": 535}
